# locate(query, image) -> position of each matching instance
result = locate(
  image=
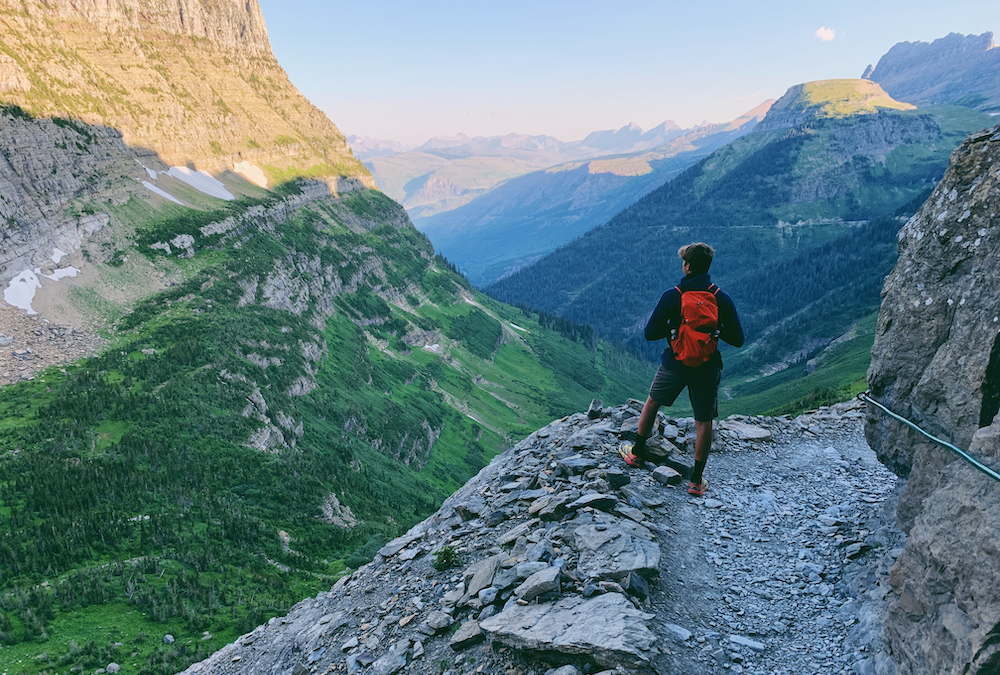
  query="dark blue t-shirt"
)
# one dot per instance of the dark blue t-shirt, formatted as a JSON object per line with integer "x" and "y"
{"x": 667, "y": 316}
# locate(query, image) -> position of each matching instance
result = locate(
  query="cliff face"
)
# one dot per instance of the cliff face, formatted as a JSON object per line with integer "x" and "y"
{"x": 957, "y": 69}
{"x": 193, "y": 80}
{"x": 936, "y": 360}
{"x": 101, "y": 102}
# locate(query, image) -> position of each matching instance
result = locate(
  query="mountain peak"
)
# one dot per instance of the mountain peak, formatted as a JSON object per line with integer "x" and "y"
{"x": 954, "y": 70}
{"x": 828, "y": 98}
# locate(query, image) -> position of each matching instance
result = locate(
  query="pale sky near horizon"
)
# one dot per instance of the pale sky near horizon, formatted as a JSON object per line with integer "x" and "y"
{"x": 407, "y": 70}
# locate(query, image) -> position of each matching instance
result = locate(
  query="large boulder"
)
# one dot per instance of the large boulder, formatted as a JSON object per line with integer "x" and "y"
{"x": 607, "y": 628}
{"x": 936, "y": 360}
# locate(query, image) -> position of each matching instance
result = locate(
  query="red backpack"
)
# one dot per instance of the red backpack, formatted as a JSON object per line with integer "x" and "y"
{"x": 698, "y": 336}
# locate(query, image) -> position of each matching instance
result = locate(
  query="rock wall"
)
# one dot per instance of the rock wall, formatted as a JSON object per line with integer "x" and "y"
{"x": 193, "y": 80}
{"x": 936, "y": 360}
{"x": 229, "y": 24}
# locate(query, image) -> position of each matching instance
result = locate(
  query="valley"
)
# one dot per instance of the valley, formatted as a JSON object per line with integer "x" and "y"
{"x": 240, "y": 367}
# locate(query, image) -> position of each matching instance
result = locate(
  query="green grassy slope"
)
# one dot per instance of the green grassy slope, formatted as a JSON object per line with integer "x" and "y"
{"x": 131, "y": 502}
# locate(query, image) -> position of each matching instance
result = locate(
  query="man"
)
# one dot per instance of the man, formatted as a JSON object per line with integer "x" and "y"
{"x": 702, "y": 381}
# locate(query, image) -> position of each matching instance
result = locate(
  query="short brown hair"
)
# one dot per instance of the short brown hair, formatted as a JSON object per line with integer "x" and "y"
{"x": 698, "y": 255}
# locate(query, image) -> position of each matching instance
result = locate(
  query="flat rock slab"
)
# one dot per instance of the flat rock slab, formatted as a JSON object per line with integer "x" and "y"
{"x": 596, "y": 500}
{"x": 393, "y": 660}
{"x": 747, "y": 432}
{"x": 607, "y": 627}
{"x": 575, "y": 465}
{"x": 519, "y": 531}
{"x": 467, "y": 635}
{"x": 612, "y": 551}
{"x": 398, "y": 544}
{"x": 747, "y": 642}
{"x": 539, "y": 583}
{"x": 480, "y": 576}
{"x": 667, "y": 476}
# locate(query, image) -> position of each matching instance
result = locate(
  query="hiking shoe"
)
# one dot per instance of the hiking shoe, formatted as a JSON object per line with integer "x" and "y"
{"x": 698, "y": 489}
{"x": 625, "y": 450}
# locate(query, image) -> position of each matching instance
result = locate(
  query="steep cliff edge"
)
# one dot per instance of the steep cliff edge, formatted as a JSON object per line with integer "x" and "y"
{"x": 936, "y": 360}
{"x": 562, "y": 558}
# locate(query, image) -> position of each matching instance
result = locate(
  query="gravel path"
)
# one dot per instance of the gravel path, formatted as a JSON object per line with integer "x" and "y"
{"x": 782, "y": 566}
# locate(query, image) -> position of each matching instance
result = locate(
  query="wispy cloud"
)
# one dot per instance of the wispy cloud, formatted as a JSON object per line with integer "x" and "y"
{"x": 825, "y": 34}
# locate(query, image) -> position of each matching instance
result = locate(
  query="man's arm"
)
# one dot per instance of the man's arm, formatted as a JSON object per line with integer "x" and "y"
{"x": 658, "y": 326}
{"x": 730, "y": 329}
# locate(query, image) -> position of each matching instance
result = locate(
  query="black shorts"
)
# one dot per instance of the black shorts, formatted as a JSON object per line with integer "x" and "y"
{"x": 703, "y": 388}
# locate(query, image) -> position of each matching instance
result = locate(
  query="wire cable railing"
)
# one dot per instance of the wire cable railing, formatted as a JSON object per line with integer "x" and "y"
{"x": 864, "y": 396}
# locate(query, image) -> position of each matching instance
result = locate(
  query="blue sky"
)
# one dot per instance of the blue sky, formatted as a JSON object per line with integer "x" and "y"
{"x": 409, "y": 70}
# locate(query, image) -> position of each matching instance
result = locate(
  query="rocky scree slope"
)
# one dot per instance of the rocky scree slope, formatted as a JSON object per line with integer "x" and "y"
{"x": 567, "y": 561}
{"x": 936, "y": 360}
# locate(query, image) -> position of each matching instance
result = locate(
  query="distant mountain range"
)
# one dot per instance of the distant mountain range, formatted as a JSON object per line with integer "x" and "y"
{"x": 523, "y": 219}
{"x": 449, "y": 171}
{"x": 955, "y": 70}
{"x": 367, "y": 147}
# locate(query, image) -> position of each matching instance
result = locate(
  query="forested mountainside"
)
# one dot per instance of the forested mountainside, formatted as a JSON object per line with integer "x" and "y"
{"x": 955, "y": 70}
{"x": 283, "y": 374}
{"x": 803, "y": 213}
{"x": 518, "y": 222}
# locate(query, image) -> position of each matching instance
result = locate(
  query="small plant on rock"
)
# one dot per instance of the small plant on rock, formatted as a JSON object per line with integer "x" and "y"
{"x": 445, "y": 557}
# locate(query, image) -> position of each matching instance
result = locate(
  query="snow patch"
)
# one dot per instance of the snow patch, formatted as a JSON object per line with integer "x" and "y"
{"x": 516, "y": 327}
{"x": 162, "y": 193}
{"x": 201, "y": 181}
{"x": 58, "y": 254}
{"x": 62, "y": 273}
{"x": 151, "y": 172}
{"x": 21, "y": 290}
{"x": 251, "y": 172}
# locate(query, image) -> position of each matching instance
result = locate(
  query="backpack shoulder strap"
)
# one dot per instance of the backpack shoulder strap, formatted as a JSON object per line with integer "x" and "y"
{"x": 713, "y": 289}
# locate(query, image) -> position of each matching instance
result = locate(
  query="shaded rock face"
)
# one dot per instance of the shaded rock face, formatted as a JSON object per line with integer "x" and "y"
{"x": 936, "y": 360}
{"x": 957, "y": 69}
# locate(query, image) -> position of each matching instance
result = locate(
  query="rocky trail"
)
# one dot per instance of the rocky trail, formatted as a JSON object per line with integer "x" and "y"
{"x": 568, "y": 562}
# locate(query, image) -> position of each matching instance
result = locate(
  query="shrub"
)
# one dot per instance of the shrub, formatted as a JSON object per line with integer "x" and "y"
{"x": 445, "y": 557}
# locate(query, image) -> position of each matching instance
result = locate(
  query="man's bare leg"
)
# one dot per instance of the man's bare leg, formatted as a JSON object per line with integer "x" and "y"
{"x": 634, "y": 455}
{"x": 648, "y": 417}
{"x": 702, "y": 440}
{"x": 702, "y": 445}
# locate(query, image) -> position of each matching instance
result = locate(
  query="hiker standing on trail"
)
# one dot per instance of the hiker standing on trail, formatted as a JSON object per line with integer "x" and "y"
{"x": 694, "y": 315}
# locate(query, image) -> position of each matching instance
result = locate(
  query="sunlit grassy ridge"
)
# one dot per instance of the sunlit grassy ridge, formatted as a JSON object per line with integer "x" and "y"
{"x": 838, "y": 98}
